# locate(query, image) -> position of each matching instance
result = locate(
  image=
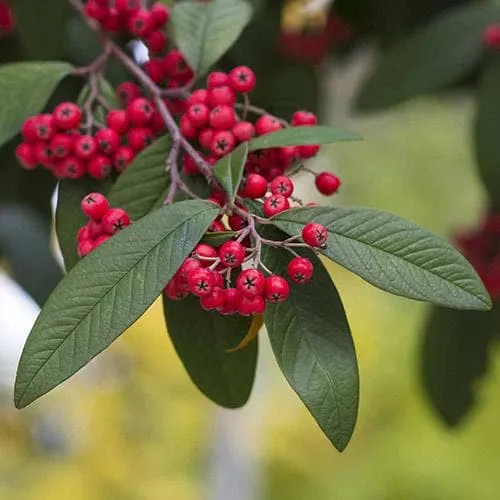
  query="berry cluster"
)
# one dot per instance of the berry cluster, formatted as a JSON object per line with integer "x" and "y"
{"x": 481, "y": 247}
{"x": 62, "y": 144}
{"x": 217, "y": 277}
{"x": 7, "y": 23}
{"x": 104, "y": 222}
{"x": 491, "y": 36}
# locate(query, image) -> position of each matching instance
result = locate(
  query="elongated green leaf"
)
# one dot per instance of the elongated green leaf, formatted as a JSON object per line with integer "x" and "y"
{"x": 144, "y": 184}
{"x": 394, "y": 254}
{"x": 107, "y": 292}
{"x": 25, "y": 88}
{"x": 293, "y": 136}
{"x": 218, "y": 239}
{"x": 487, "y": 145}
{"x": 229, "y": 170}
{"x": 454, "y": 357}
{"x": 69, "y": 215}
{"x": 435, "y": 56}
{"x": 202, "y": 340}
{"x": 311, "y": 340}
{"x": 204, "y": 31}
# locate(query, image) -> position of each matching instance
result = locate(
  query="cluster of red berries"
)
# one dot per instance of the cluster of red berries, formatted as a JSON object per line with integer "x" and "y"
{"x": 209, "y": 275}
{"x": 491, "y": 36}
{"x": 212, "y": 122}
{"x": 104, "y": 222}
{"x": 7, "y": 24}
{"x": 55, "y": 142}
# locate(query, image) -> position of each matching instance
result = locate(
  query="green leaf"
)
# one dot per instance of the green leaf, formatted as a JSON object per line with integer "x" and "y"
{"x": 311, "y": 340}
{"x": 41, "y": 27}
{"x": 296, "y": 136}
{"x": 144, "y": 184}
{"x": 394, "y": 254}
{"x": 454, "y": 358}
{"x": 204, "y": 31}
{"x": 107, "y": 91}
{"x": 202, "y": 340}
{"x": 218, "y": 239}
{"x": 69, "y": 215}
{"x": 229, "y": 170}
{"x": 487, "y": 145}
{"x": 106, "y": 293}
{"x": 435, "y": 56}
{"x": 25, "y": 88}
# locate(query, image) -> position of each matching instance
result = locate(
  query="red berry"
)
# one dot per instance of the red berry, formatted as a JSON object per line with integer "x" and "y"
{"x": 95, "y": 10}
{"x": 205, "y": 138}
{"x": 83, "y": 234}
{"x": 251, "y": 283}
{"x": 67, "y": 116}
{"x": 95, "y": 229}
{"x": 275, "y": 204}
{"x": 491, "y": 36}
{"x": 157, "y": 123}
{"x": 189, "y": 166}
{"x": 118, "y": 121}
{"x": 214, "y": 301}
{"x": 128, "y": 92}
{"x": 223, "y": 117}
{"x": 286, "y": 155}
{"x": 43, "y": 154}
{"x": 232, "y": 254}
{"x": 188, "y": 130}
{"x": 173, "y": 63}
{"x": 173, "y": 292}
{"x": 315, "y": 235}
{"x": 45, "y": 127}
{"x": 190, "y": 264}
{"x": 198, "y": 115}
{"x": 85, "y": 247}
{"x": 114, "y": 220}
{"x": 123, "y": 158}
{"x": 155, "y": 70}
{"x": 85, "y": 147}
{"x": 267, "y": 124}
{"x": 99, "y": 167}
{"x": 26, "y": 156}
{"x": 300, "y": 118}
{"x": 201, "y": 282}
{"x": 277, "y": 289}
{"x": 217, "y": 226}
{"x": 282, "y": 185}
{"x": 160, "y": 14}
{"x": 29, "y": 130}
{"x": 127, "y": 7}
{"x": 139, "y": 112}
{"x": 95, "y": 206}
{"x": 112, "y": 21}
{"x": 140, "y": 138}
{"x": 307, "y": 151}
{"x": 140, "y": 23}
{"x": 327, "y": 183}
{"x": 70, "y": 168}
{"x": 300, "y": 270}
{"x": 102, "y": 239}
{"x": 206, "y": 254}
{"x": 156, "y": 41}
{"x": 253, "y": 186}
{"x": 221, "y": 96}
{"x": 244, "y": 131}
{"x": 108, "y": 140}
{"x": 242, "y": 79}
{"x": 248, "y": 306}
{"x": 199, "y": 96}
{"x": 61, "y": 145}
{"x": 223, "y": 142}
{"x": 232, "y": 297}
{"x": 217, "y": 79}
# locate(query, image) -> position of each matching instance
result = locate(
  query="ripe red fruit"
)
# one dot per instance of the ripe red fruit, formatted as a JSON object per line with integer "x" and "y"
{"x": 253, "y": 186}
{"x": 99, "y": 167}
{"x": 277, "y": 289}
{"x": 155, "y": 70}
{"x": 223, "y": 142}
{"x": 217, "y": 226}
{"x": 251, "y": 283}
{"x": 199, "y": 96}
{"x": 189, "y": 166}
{"x": 201, "y": 282}
{"x": 43, "y": 154}
{"x": 275, "y": 204}
{"x": 236, "y": 222}
{"x": 61, "y": 145}
{"x": 45, "y": 127}
{"x": 221, "y": 95}
{"x": 67, "y": 116}
{"x": 102, "y": 239}
{"x": 217, "y": 79}
{"x": 108, "y": 140}
{"x": 188, "y": 130}
{"x": 95, "y": 10}
{"x": 156, "y": 41}
{"x": 267, "y": 124}
{"x": 70, "y": 168}
{"x": 140, "y": 138}
{"x": 128, "y": 92}
{"x": 205, "y": 138}
{"x": 85, "y": 247}
{"x": 127, "y": 7}
{"x": 244, "y": 131}
{"x": 26, "y": 156}
{"x": 222, "y": 117}
{"x": 327, "y": 183}
{"x": 282, "y": 185}
{"x": 118, "y": 121}
{"x": 29, "y": 130}
{"x": 214, "y": 301}
{"x": 139, "y": 112}
{"x": 231, "y": 297}
{"x": 140, "y": 23}
{"x": 85, "y": 147}
{"x": 114, "y": 220}
{"x": 206, "y": 254}
{"x": 242, "y": 79}
{"x": 95, "y": 206}
{"x": 286, "y": 155}
{"x": 160, "y": 14}
{"x": 198, "y": 115}
{"x": 232, "y": 254}
{"x": 301, "y": 118}
{"x": 173, "y": 292}
{"x": 83, "y": 234}
{"x": 95, "y": 229}
{"x": 174, "y": 62}
{"x": 300, "y": 270}
{"x": 491, "y": 36}
{"x": 112, "y": 21}
{"x": 308, "y": 151}
{"x": 315, "y": 235}
{"x": 123, "y": 158}
{"x": 190, "y": 264}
